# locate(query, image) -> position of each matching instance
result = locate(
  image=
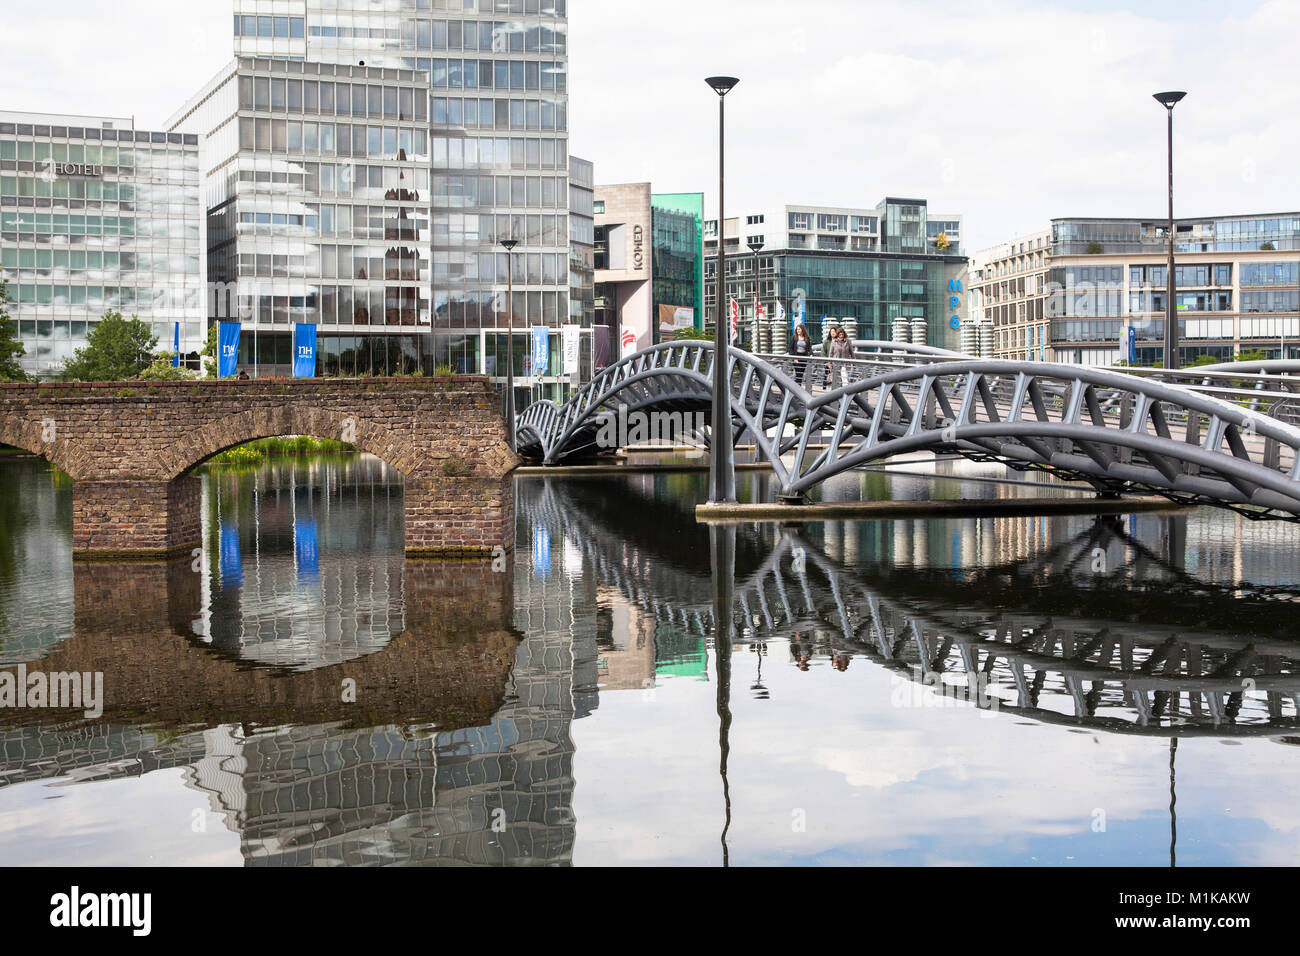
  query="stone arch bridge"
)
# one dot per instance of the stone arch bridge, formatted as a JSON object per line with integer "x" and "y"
{"x": 131, "y": 450}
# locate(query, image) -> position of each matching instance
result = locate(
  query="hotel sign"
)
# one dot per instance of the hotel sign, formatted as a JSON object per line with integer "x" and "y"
{"x": 638, "y": 248}
{"x": 78, "y": 169}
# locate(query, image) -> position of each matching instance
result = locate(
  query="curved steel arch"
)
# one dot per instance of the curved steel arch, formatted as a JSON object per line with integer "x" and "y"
{"x": 675, "y": 376}
{"x": 1116, "y": 431}
{"x": 1053, "y": 417}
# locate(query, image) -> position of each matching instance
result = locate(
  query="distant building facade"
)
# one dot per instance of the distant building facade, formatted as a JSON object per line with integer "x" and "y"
{"x": 649, "y": 264}
{"x": 1072, "y": 293}
{"x": 890, "y": 272}
{"x": 97, "y": 216}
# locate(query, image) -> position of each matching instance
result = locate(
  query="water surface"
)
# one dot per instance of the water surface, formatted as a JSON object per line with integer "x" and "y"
{"x": 1135, "y": 673}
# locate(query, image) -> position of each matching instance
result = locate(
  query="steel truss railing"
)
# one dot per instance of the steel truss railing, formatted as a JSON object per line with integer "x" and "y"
{"x": 1229, "y": 440}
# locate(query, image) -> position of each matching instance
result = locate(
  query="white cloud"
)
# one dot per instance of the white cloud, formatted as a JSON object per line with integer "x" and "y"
{"x": 1009, "y": 112}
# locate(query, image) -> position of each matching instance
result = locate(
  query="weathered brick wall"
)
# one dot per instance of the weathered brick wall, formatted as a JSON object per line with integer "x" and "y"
{"x": 445, "y": 436}
{"x": 134, "y": 625}
{"x": 133, "y": 516}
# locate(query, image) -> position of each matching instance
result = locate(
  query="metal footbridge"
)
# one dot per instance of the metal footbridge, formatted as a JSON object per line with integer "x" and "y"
{"x": 1227, "y": 436}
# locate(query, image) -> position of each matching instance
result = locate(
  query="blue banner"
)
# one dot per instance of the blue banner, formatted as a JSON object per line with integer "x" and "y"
{"x": 541, "y": 349}
{"x": 306, "y": 548}
{"x": 228, "y": 349}
{"x": 176, "y": 347}
{"x": 541, "y": 551}
{"x": 304, "y": 350}
{"x": 232, "y": 563}
{"x": 1131, "y": 346}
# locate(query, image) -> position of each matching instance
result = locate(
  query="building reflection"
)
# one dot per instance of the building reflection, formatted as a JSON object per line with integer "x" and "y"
{"x": 459, "y": 749}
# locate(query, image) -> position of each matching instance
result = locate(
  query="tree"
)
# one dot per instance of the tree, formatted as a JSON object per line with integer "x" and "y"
{"x": 10, "y": 348}
{"x": 209, "y": 352}
{"x": 162, "y": 370}
{"x": 116, "y": 349}
{"x": 1095, "y": 249}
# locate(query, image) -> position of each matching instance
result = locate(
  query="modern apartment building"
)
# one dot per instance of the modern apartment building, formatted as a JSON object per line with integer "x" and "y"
{"x": 649, "y": 264}
{"x": 1071, "y": 293}
{"x": 1008, "y": 297}
{"x": 98, "y": 216}
{"x": 889, "y": 272}
{"x": 465, "y": 110}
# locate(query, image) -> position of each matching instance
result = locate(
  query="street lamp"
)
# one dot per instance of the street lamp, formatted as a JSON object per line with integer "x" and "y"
{"x": 722, "y": 475}
{"x": 509, "y": 246}
{"x": 755, "y": 247}
{"x": 1169, "y": 101}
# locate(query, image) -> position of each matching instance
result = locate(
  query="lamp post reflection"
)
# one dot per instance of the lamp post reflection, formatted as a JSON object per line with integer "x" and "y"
{"x": 722, "y": 543}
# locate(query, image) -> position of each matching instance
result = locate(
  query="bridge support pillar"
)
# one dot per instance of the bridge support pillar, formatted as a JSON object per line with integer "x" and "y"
{"x": 135, "y": 519}
{"x": 459, "y": 517}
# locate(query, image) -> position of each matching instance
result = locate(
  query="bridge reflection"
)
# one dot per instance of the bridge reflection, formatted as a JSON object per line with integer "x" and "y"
{"x": 459, "y": 748}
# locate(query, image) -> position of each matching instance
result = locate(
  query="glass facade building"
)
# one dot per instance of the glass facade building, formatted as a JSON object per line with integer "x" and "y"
{"x": 485, "y": 83}
{"x": 677, "y": 245}
{"x": 875, "y": 291}
{"x": 1070, "y": 294}
{"x": 889, "y": 269}
{"x": 96, "y": 216}
{"x": 318, "y": 212}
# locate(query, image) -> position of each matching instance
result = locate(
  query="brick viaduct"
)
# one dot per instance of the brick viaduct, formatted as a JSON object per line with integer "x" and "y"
{"x": 130, "y": 450}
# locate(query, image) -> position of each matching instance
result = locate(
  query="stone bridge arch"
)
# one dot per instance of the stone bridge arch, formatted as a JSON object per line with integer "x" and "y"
{"x": 31, "y": 436}
{"x": 328, "y": 424}
{"x": 131, "y": 450}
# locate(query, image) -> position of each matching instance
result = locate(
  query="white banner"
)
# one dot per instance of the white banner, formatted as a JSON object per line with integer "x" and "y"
{"x": 572, "y": 346}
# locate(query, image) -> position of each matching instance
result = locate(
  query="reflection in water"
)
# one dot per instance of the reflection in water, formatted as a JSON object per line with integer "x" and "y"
{"x": 918, "y": 691}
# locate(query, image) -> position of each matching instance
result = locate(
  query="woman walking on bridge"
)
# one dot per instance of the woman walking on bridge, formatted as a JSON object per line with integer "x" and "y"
{"x": 841, "y": 347}
{"x": 801, "y": 348}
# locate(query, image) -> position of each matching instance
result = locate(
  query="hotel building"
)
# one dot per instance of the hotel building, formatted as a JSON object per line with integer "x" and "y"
{"x": 97, "y": 216}
{"x": 889, "y": 272}
{"x": 1067, "y": 294}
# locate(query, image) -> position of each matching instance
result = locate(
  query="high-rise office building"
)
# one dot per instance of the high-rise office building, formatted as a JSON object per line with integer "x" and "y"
{"x": 474, "y": 98}
{"x": 97, "y": 216}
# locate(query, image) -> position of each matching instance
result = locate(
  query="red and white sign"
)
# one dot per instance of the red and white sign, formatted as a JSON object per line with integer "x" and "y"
{"x": 628, "y": 339}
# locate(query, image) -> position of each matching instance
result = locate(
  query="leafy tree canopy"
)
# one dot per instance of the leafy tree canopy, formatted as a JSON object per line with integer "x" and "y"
{"x": 116, "y": 349}
{"x": 11, "y": 350}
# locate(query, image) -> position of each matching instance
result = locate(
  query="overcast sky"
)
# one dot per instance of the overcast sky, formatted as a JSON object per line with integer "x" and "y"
{"x": 1009, "y": 113}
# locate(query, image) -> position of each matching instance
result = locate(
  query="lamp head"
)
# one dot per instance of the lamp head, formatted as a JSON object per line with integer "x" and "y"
{"x": 722, "y": 85}
{"x": 1169, "y": 100}
{"x": 509, "y": 244}
{"x": 756, "y": 247}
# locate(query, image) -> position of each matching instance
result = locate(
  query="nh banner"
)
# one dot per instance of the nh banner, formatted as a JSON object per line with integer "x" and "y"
{"x": 541, "y": 349}
{"x": 228, "y": 349}
{"x": 304, "y": 350}
{"x": 176, "y": 347}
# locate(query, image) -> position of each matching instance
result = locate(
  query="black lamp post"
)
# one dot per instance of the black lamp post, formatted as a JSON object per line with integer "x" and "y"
{"x": 722, "y": 475}
{"x": 755, "y": 247}
{"x": 509, "y": 246}
{"x": 1169, "y": 101}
